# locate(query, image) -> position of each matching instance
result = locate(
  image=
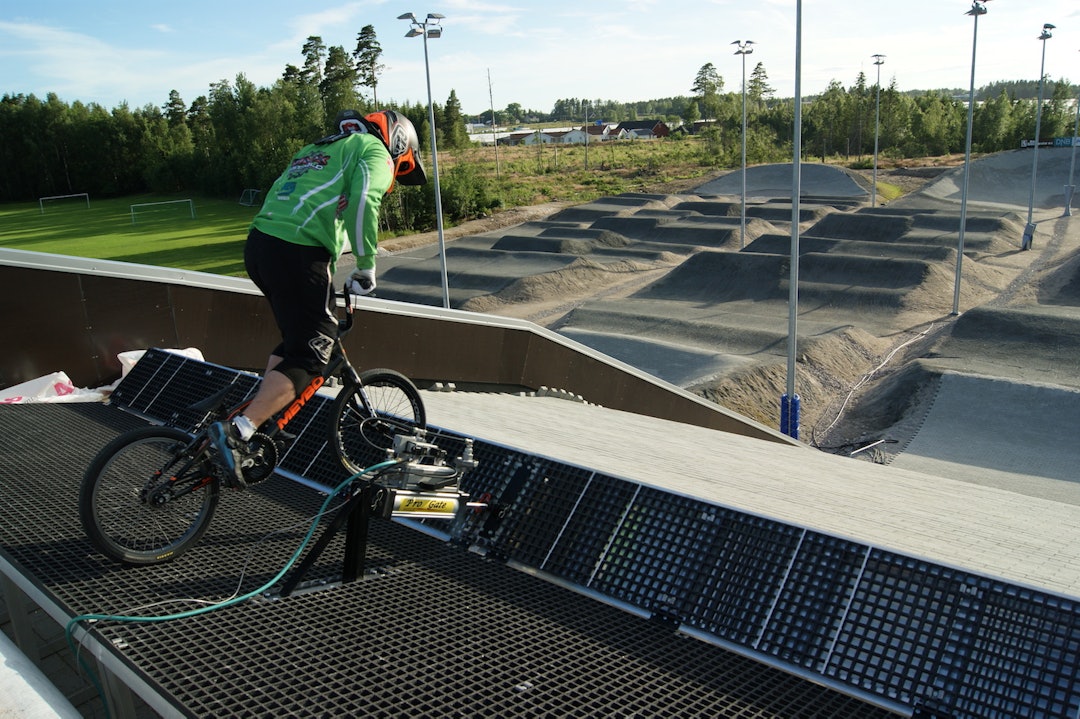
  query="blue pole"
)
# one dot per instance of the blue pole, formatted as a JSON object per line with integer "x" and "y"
{"x": 789, "y": 415}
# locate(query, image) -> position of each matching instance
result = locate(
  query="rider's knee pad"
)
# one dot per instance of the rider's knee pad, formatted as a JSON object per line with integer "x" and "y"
{"x": 299, "y": 376}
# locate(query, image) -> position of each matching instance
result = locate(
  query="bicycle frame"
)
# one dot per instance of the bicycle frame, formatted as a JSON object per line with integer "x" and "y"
{"x": 378, "y": 410}
{"x": 339, "y": 364}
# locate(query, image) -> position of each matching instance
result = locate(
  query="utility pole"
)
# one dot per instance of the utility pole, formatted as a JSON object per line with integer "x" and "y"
{"x": 494, "y": 137}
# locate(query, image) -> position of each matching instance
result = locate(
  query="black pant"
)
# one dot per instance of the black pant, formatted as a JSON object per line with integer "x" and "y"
{"x": 297, "y": 281}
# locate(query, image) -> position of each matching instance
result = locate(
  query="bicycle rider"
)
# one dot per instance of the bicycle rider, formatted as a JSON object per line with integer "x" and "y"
{"x": 329, "y": 194}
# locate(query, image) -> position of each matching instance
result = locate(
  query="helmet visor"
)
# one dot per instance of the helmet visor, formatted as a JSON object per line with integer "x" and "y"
{"x": 408, "y": 170}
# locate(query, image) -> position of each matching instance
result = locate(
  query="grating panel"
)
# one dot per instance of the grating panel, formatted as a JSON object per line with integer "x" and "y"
{"x": 434, "y": 631}
{"x": 654, "y": 554}
{"x": 310, "y": 454}
{"x": 585, "y": 536}
{"x": 804, "y": 623}
{"x": 741, "y": 575}
{"x": 947, "y": 642}
{"x": 1025, "y": 657}
{"x": 514, "y": 531}
{"x": 163, "y": 385}
{"x": 498, "y": 482}
{"x": 543, "y": 512}
{"x": 908, "y": 629}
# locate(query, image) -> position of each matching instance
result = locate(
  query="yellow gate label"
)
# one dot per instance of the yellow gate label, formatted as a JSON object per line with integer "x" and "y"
{"x": 426, "y": 504}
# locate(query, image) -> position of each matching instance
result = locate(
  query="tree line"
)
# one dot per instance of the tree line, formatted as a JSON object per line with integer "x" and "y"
{"x": 240, "y": 136}
{"x": 237, "y": 136}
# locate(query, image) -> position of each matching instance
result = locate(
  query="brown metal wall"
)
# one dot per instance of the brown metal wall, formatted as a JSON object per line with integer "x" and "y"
{"x": 78, "y": 323}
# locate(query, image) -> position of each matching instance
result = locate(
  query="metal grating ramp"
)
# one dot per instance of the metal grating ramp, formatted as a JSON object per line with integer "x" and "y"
{"x": 900, "y": 632}
{"x": 435, "y": 632}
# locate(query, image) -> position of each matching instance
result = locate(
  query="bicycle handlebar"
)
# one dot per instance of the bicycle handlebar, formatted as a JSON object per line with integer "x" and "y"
{"x": 346, "y": 324}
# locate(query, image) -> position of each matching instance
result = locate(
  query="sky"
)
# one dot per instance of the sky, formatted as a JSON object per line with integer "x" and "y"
{"x": 497, "y": 52}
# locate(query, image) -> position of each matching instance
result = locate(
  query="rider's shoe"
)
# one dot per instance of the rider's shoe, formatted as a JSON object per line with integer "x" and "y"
{"x": 226, "y": 439}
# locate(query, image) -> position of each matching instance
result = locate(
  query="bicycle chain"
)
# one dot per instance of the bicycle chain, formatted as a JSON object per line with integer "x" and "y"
{"x": 260, "y": 458}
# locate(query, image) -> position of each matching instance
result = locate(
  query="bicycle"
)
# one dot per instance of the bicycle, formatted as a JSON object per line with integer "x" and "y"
{"x": 149, "y": 495}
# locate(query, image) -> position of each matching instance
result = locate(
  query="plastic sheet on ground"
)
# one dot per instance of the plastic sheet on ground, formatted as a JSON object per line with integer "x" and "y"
{"x": 58, "y": 387}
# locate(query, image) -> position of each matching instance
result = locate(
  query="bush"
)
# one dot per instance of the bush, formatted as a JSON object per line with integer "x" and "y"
{"x": 408, "y": 209}
{"x": 464, "y": 193}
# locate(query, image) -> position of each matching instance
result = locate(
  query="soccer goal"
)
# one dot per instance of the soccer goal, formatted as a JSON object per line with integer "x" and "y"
{"x": 43, "y": 200}
{"x": 143, "y": 205}
{"x": 249, "y": 198}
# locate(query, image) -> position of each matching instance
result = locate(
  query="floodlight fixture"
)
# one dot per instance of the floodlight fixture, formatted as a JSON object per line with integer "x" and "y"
{"x": 744, "y": 47}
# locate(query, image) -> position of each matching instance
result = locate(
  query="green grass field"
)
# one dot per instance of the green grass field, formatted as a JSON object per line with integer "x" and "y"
{"x": 162, "y": 235}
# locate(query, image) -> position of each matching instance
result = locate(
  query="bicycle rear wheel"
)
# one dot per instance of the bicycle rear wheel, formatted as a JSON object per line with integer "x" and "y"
{"x": 366, "y": 417}
{"x": 117, "y": 504}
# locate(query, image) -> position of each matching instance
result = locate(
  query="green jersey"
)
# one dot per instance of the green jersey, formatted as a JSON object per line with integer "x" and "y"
{"x": 329, "y": 195}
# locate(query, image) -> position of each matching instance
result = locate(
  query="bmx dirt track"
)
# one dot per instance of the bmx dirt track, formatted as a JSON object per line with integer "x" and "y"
{"x": 672, "y": 284}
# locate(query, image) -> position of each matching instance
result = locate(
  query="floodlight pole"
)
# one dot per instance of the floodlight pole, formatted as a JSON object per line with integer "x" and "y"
{"x": 789, "y": 403}
{"x": 431, "y": 27}
{"x": 978, "y": 7}
{"x": 1029, "y": 230}
{"x": 585, "y": 104}
{"x": 1070, "y": 189}
{"x": 494, "y": 135}
{"x": 879, "y": 60}
{"x": 744, "y": 50}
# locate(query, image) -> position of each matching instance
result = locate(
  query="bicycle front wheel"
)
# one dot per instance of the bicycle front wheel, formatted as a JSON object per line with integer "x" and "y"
{"x": 145, "y": 498}
{"x": 367, "y": 417}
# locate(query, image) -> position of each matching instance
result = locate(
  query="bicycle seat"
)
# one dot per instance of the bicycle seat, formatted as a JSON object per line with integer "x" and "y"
{"x": 211, "y": 403}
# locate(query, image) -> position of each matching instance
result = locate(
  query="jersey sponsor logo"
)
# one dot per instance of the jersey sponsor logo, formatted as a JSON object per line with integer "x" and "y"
{"x": 317, "y": 160}
{"x": 286, "y": 190}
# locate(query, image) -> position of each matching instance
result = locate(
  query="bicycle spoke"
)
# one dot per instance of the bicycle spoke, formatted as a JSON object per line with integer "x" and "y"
{"x": 367, "y": 417}
{"x": 131, "y": 507}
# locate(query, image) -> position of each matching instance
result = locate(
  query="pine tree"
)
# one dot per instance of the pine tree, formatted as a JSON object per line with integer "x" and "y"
{"x": 314, "y": 51}
{"x": 758, "y": 88}
{"x": 366, "y": 55}
{"x": 453, "y": 127}
{"x": 707, "y": 86}
{"x": 338, "y": 87}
